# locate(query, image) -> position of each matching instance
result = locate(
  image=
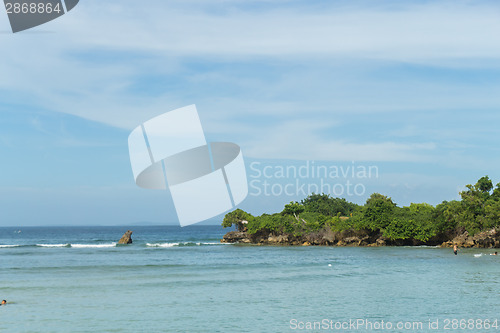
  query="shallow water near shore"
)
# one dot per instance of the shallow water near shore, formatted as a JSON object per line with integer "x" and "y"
{"x": 174, "y": 279}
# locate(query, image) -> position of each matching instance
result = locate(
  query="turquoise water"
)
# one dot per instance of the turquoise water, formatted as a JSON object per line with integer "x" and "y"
{"x": 176, "y": 279}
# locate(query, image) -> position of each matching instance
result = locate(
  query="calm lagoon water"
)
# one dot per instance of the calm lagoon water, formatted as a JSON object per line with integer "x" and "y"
{"x": 174, "y": 279}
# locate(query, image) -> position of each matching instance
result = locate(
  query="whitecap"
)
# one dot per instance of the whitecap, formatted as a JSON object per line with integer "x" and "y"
{"x": 5, "y": 246}
{"x": 82, "y": 246}
{"x": 162, "y": 244}
{"x": 53, "y": 245}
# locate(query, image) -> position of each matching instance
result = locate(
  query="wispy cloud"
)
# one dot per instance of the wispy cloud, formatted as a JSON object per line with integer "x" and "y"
{"x": 410, "y": 85}
{"x": 404, "y": 32}
{"x": 263, "y": 70}
{"x": 301, "y": 141}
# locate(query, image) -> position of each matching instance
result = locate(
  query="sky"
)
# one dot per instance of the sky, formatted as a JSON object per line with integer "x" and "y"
{"x": 409, "y": 88}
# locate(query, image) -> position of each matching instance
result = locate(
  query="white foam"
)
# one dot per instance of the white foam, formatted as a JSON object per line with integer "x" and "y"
{"x": 478, "y": 255}
{"x": 4, "y": 246}
{"x": 162, "y": 244}
{"x": 82, "y": 246}
{"x": 53, "y": 245}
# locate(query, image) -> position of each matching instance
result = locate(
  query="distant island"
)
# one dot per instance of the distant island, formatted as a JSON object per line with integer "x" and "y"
{"x": 473, "y": 221}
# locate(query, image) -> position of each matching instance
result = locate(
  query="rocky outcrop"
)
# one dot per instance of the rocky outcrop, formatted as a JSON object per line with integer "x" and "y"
{"x": 322, "y": 237}
{"x": 325, "y": 236}
{"x": 126, "y": 238}
{"x": 236, "y": 237}
{"x": 485, "y": 239}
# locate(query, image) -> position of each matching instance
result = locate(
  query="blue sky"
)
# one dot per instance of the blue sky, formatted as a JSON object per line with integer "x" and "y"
{"x": 412, "y": 87}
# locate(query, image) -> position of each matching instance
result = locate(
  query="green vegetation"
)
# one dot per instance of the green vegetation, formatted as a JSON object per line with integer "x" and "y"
{"x": 237, "y": 218}
{"x": 478, "y": 210}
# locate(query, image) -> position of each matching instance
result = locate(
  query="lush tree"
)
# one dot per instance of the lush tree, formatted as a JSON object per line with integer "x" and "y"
{"x": 445, "y": 215}
{"x": 328, "y": 206}
{"x": 238, "y": 218}
{"x": 399, "y": 228}
{"x": 492, "y": 218}
{"x": 275, "y": 223}
{"x": 378, "y": 212}
{"x": 422, "y": 209}
{"x": 484, "y": 184}
{"x": 413, "y": 222}
{"x": 496, "y": 193}
{"x": 341, "y": 223}
{"x": 474, "y": 201}
{"x": 314, "y": 221}
{"x": 293, "y": 208}
{"x": 493, "y": 208}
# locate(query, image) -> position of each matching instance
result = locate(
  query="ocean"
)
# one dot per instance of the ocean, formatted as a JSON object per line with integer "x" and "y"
{"x": 173, "y": 279}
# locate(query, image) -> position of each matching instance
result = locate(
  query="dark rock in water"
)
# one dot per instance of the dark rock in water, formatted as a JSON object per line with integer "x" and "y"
{"x": 126, "y": 238}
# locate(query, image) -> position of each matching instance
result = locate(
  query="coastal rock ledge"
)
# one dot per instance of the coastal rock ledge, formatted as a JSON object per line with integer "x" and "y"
{"x": 236, "y": 237}
{"x": 321, "y": 237}
{"x": 485, "y": 239}
{"x": 126, "y": 238}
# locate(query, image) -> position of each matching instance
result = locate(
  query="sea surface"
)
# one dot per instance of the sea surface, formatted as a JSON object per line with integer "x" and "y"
{"x": 172, "y": 279}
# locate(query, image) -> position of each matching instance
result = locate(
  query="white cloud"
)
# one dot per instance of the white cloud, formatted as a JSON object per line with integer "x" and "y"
{"x": 330, "y": 54}
{"x": 301, "y": 140}
{"x": 439, "y": 30}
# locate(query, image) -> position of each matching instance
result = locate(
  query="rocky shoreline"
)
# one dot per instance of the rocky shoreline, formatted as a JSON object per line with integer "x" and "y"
{"x": 327, "y": 237}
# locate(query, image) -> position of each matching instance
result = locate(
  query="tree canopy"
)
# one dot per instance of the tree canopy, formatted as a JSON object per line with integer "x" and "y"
{"x": 478, "y": 209}
{"x": 237, "y": 217}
